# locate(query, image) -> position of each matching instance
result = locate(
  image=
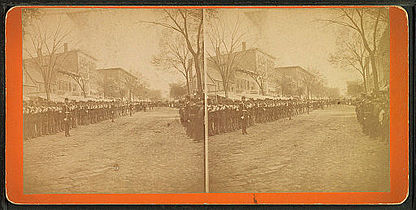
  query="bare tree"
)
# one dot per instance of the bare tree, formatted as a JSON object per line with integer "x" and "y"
{"x": 44, "y": 51}
{"x": 189, "y": 24}
{"x": 308, "y": 81}
{"x": 351, "y": 54}
{"x": 175, "y": 55}
{"x": 177, "y": 90}
{"x": 132, "y": 84}
{"x": 81, "y": 79}
{"x": 225, "y": 40}
{"x": 260, "y": 78}
{"x": 100, "y": 84}
{"x": 110, "y": 88}
{"x": 286, "y": 84}
{"x": 368, "y": 23}
{"x": 29, "y": 15}
{"x": 313, "y": 82}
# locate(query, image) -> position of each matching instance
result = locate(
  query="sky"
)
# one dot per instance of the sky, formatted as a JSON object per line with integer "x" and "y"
{"x": 116, "y": 38}
{"x": 296, "y": 37}
{"x": 120, "y": 38}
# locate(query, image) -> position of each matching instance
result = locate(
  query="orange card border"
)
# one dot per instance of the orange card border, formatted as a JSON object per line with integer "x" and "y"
{"x": 399, "y": 142}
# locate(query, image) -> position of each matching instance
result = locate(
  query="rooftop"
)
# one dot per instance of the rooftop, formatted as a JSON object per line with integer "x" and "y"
{"x": 294, "y": 67}
{"x": 118, "y": 69}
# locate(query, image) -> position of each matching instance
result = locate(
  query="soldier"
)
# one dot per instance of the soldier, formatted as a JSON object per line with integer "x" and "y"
{"x": 289, "y": 109}
{"x": 192, "y": 120}
{"x": 112, "y": 110}
{"x": 58, "y": 117}
{"x": 366, "y": 115}
{"x": 144, "y": 106}
{"x": 26, "y": 118}
{"x": 385, "y": 121}
{"x": 244, "y": 116}
{"x": 74, "y": 113}
{"x": 131, "y": 108}
{"x": 187, "y": 117}
{"x": 211, "y": 116}
{"x": 67, "y": 119}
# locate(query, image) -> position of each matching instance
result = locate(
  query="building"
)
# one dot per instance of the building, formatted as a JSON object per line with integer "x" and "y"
{"x": 251, "y": 73}
{"x": 294, "y": 81}
{"x": 118, "y": 83}
{"x": 68, "y": 74}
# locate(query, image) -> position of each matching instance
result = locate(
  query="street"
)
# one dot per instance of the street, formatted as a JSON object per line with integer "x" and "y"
{"x": 144, "y": 153}
{"x": 324, "y": 151}
{"x": 149, "y": 152}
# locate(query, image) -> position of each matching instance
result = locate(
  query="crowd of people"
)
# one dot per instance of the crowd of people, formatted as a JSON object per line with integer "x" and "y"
{"x": 228, "y": 115}
{"x": 43, "y": 117}
{"x": 373, "y": 114}
{"x": 192, "y": 112}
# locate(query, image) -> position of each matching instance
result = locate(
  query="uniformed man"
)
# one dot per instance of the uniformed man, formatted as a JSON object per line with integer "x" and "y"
{"x": 67, "y": 119}
{"x": 244, "y": 116}
{"x": 112, "y": 110}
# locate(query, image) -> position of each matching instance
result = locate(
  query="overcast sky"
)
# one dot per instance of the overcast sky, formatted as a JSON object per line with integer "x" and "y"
{"x": 118, "y": 38}
{"x": 296, "y": 37}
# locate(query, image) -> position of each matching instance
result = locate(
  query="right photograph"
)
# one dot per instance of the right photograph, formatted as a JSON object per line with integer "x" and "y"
{"x": 297, "y": 99}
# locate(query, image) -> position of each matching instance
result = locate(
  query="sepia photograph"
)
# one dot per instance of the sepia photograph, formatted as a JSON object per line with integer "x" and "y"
{"x": 193, "y": 100}
{"x": 298, "y": 100}
{"x": 113, "y": 100}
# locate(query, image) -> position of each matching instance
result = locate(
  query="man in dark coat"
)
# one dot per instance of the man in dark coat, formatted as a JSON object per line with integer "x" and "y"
{"x": 244, "y": 116}
{"x": 67, "y": 117}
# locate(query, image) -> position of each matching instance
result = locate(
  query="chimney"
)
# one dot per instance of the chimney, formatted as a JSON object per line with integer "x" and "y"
{"x": 243, "y": 45}
{"x": 65, "y": 47}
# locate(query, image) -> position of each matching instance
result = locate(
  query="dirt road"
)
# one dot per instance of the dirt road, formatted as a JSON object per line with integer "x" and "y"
{"x": 145, "y": 153}
{"x": 324, "y": 151}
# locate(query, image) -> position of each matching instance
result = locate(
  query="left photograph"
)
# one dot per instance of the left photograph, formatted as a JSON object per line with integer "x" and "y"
{"x": 113, "y": 100}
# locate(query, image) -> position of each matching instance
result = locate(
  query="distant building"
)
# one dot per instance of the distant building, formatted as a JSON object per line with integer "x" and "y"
{"x": 69, "y": 62}
{"x": 294, "y": 81}
{"x": 117, "y": 83}
{"x": 252, "y": 68}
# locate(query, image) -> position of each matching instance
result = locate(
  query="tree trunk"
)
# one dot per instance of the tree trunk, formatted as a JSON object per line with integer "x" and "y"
{"x": 374, "y": 69}
{"x": 47, "y": 91}
{"x": 188, "y": 88}
{"x": 309, "y": 93}
{"x": 198, "y": 74}
{"x": 225, "y": 89}
{"x": 365, "y": 82}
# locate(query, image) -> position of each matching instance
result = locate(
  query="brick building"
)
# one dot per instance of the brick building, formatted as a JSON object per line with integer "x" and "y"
{"x": 251, "y": 74}
{"x": 70, "y": 66}
{"x": 118, "y": 83}
{"x": 294, "y": 80}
